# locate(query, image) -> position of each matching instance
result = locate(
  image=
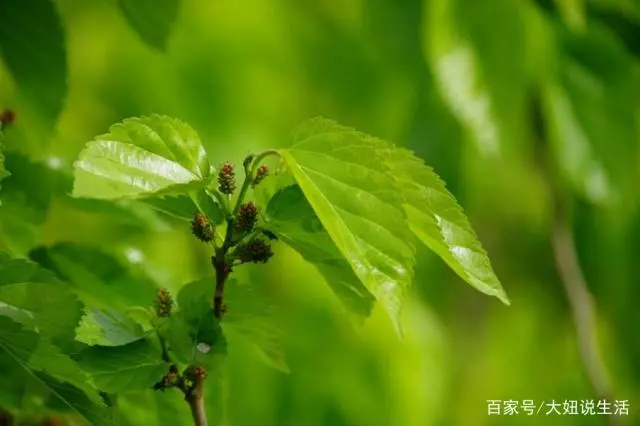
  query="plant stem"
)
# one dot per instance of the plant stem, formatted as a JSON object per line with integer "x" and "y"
{"x": 219, "y": 260}
{"x": 219, "y": 266}
{"x": 250, "y": 171}
{"x": 194, "y": 396}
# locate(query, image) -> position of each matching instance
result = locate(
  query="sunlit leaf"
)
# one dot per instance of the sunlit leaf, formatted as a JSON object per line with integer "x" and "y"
{"x": 129, "y": 368}
{"x": 342, "y": 174}
{"x": 152, "y": 20}
{"x": 292, "y": 219}
{"x": 58, "y": 372}
{"x": 32, "y": 46}
{"x": 438, "y": 221}
{"x": 50, "y": 305}
{"x": 142, "y": 156}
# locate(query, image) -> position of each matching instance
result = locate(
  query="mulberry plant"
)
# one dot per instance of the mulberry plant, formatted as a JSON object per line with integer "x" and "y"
{"x": 362, "y": 203}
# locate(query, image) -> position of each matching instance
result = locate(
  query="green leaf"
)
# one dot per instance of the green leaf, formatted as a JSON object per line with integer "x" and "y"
{"x": 292, "y": 219}
{"x": 184, "y": 207}
{"x": 589, "y": 103}
{"x": 32, "y": 44}
{"x": 15, "y": 383}
{"x": 341, "y": 173}
{"x": 251, "y": 316}
{"x": 467, "y": 54}
{"x": 140, "y": 157}
{"x": 99, "y": 278}
{"x": 48, "y": 304}
{"x": 50, "y": 360}
{"x": 73, "y": 398}
{"x": 129, "y": 368}
{"x": 193, "y": 333}
{"x": 152, "y": 20}
{"x": 436, "y": 218}
{"x": 58, "y": 372}
{"x": 108, "y": 328}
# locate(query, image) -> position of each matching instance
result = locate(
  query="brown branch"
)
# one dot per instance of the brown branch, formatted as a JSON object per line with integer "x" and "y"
{"x": 194, "y": 396}
{"x": 192, "y": 385}
{"x": 221, "y": 270}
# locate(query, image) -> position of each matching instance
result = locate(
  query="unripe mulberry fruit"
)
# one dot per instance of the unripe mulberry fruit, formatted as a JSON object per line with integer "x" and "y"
{"x": 256, "y": 251}
{"x": 263, "y": 172}
{"x": 164, "y": 303}
{"x": 226, "y": 179}
{"x": 201, "y": 228}
{"x": 247, "y": 217}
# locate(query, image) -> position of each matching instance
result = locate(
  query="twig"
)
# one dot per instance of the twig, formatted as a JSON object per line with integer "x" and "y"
{"x": 194, "y": 396}
{"x": 219, "y": 260}
{"x": 220, "y": 268}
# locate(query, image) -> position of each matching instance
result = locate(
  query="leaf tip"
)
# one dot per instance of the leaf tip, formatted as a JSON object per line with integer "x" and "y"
{"x": 502, "y": 296}
{"x": 504, "y": 299}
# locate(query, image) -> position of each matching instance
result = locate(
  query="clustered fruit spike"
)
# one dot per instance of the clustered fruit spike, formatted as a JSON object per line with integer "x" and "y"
{"x": 247, "y": 217}
{"x": 164, "y": 303}
{"x": 201, "y": 228}
{"x": 226, "y": 179}
{"x": 255, "y": 251}
{"x": 170, "y": 380}
{"x": 263, "y": 172}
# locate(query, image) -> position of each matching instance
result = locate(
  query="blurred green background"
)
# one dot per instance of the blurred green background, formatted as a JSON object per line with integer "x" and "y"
{"x": 468, "y": 85}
